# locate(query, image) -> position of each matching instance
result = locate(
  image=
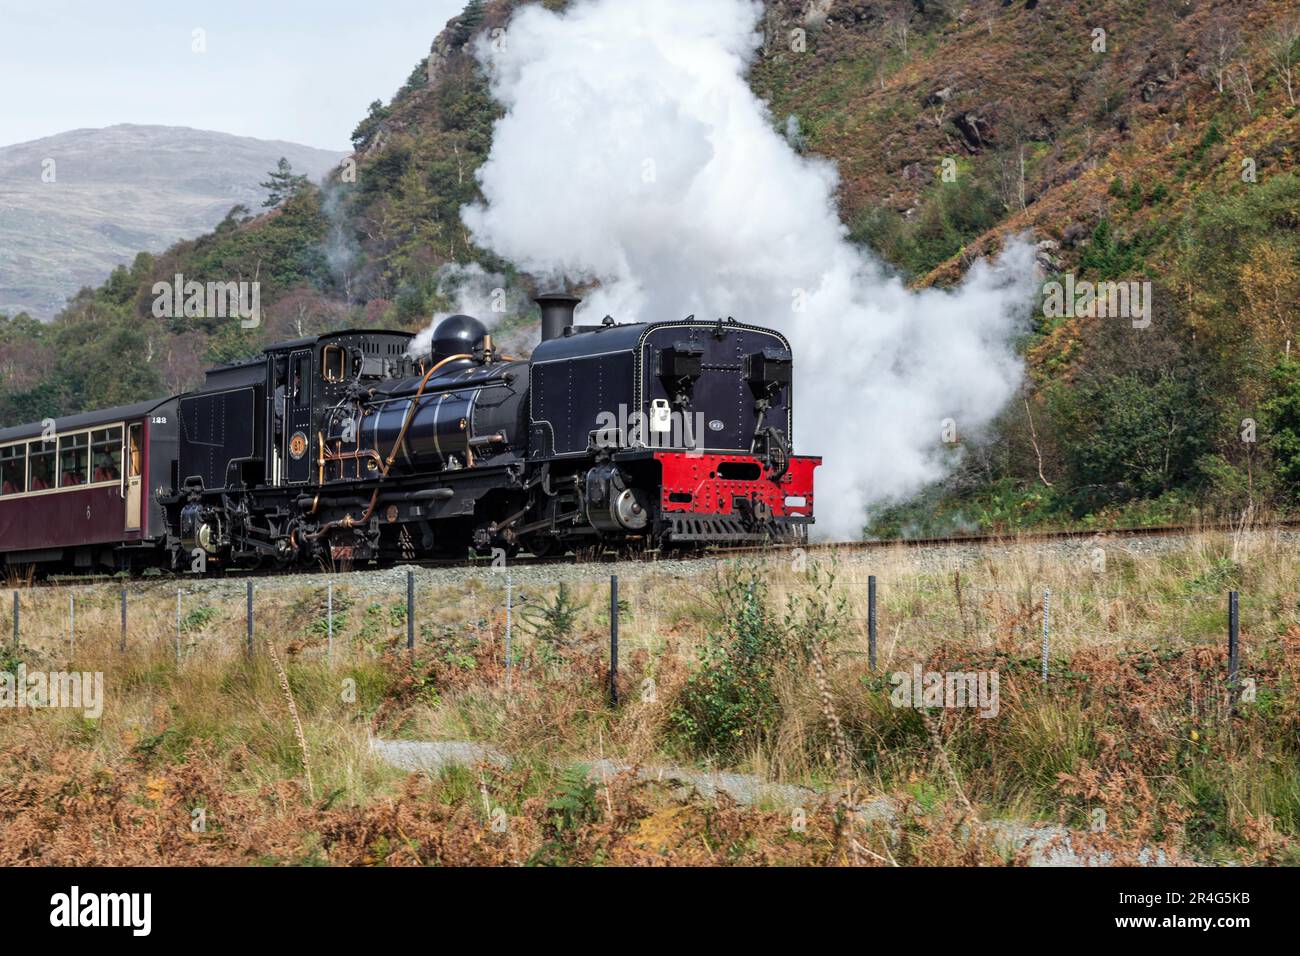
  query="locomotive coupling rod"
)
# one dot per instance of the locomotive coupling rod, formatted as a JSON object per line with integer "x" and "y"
{"x": 498, "y": 525}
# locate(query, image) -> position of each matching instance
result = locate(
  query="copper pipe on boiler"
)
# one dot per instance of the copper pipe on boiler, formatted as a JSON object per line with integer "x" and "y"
{"x": 410, "y": 412}
{"x": 348, "y": 521}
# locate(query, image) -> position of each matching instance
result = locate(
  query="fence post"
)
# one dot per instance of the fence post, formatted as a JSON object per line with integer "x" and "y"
{"x": 509, "y": 623}
{"x": 1047, "y": 627}
{"x": 123, "y": 644}
{"x": 871, "y": 621}
{"x": 613, "y": 640}
{"x": 329, "y": 623}
{"x": 72, "y": 626}
{"x": 1234, "y": 648}
{"x": 249, "y": 615}
{"x": 178, "y": 627}
{"x": 410, "y": 616}
{"x": 15, "y": 620}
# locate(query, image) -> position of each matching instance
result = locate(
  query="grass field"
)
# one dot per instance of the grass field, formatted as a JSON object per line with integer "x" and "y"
{"x": 1134, "y": 743}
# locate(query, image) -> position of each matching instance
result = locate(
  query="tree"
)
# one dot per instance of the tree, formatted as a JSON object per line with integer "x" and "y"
{"x": 181, "y": 364}
{"x": 1282, "y": 424}
{"x": 1131, "y": 434}
{"x": 1284, "y": 50}
{"x": 1138, "y": 411}
{"x": 366, "y": 129}
{"x": 282, "y": 184}
{"x": 1242, "y": 88}
{"x": 1014, "y": 122}
{"x": 897, "y": 28}
{"x": 300, "y": 312}
{"x": 238, "y": 214}
{"x": 467, "y": 22}
{"x": 1238, "y": 255}
{"x": 1220, "y": 42}
{"x": 1270, "y": 286}
{"x": 23, "y": 353}
{"x": 44, "y": 400}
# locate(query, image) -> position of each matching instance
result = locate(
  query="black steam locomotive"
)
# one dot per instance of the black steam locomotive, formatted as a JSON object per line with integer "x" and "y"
{"x": 351, "y": 447}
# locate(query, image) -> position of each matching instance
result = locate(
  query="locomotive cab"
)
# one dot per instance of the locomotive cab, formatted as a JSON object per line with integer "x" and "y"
{"x": 675, "y": 431}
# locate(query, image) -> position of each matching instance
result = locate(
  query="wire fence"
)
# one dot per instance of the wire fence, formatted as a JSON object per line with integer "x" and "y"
{"x": 647, "y": 611}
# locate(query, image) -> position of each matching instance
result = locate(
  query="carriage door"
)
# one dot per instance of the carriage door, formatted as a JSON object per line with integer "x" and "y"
{"x": 297, "y": 411}
{"x": 131, "y": 474}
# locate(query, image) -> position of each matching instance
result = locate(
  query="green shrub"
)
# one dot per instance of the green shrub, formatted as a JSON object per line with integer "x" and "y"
{"x": 729, "y": 701}
{"x": 553, "y": 624}
{"x": 198, "y": 619}
{"x": 1282, "y": 410}
{"x": 574, "y": 804}
{"x": 1135, "y": 434}
{"x": 948, "y": 216}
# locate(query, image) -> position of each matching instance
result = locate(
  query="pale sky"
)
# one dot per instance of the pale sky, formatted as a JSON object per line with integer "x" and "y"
{"x": 275, "y": 69}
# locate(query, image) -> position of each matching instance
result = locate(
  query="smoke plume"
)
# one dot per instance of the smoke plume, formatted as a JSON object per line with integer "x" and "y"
{"x": 634, "y": 153}
{"x": 474, "y": 290}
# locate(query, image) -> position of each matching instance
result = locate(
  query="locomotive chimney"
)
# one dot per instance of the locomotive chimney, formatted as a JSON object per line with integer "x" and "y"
{"x": 557, "y": 313}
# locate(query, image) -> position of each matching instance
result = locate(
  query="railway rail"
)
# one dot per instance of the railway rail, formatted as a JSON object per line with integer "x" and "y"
{"x": 616, "y": 556}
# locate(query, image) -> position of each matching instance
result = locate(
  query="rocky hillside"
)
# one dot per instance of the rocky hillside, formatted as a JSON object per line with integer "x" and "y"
{"x": 74, "y": 206}
{"x": 1132, "y": 140}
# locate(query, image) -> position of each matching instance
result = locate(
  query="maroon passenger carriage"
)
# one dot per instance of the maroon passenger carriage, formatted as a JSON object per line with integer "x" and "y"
{"x": 81, "y": 491}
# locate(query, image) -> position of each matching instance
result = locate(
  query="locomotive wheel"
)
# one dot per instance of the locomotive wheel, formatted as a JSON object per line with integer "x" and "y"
{"x": 539, "y": 546}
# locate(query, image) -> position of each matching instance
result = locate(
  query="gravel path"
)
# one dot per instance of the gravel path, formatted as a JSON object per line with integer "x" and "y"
{"x": 1048, "y": 844}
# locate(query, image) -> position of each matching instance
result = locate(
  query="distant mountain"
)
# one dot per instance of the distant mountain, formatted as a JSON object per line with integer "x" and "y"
{"x": 118, "y": 191}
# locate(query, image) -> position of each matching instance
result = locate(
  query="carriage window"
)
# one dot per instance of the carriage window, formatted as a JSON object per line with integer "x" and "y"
{"x": 74, "y": 460}
{"x": 13, "y": 470}
{"x": 106, "y": 454}
{"x": 40, "y": 455}
{"x": 133, "y": 460}
{"x": 333, "y": 363}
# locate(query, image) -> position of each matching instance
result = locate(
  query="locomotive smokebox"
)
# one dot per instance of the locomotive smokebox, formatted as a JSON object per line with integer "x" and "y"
{"x": 557, "y": 313}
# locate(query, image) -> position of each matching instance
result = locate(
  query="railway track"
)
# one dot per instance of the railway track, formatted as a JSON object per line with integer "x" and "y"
{"x": 1034, "y": 537}
{"x": 614, "y": 557}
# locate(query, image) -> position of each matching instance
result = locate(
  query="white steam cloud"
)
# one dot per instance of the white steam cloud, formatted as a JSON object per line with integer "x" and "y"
{"x": 475, "y": 291}
{"x": 634, "y": 153}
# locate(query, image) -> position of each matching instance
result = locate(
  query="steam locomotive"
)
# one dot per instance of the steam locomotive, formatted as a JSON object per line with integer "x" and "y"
{"x": 350, "y": 446}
